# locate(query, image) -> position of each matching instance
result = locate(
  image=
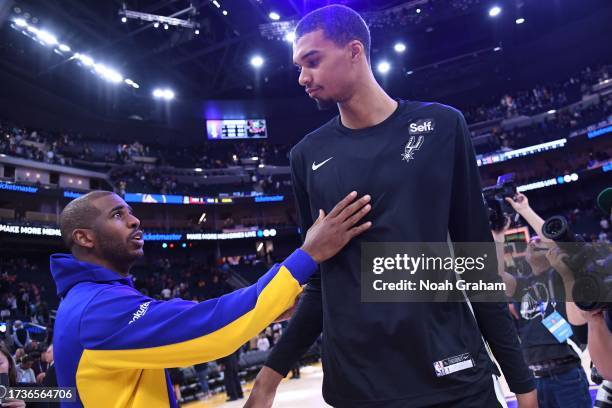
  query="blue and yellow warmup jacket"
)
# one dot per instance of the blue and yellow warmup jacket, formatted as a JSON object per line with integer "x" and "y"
{"x": 113, "y": 343}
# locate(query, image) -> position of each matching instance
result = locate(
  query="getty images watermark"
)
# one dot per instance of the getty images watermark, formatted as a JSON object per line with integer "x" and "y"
{"x": 430, "y": 272}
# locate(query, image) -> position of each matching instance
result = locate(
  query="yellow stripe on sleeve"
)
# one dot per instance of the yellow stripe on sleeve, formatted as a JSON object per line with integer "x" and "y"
{"x": 278, "y": 295}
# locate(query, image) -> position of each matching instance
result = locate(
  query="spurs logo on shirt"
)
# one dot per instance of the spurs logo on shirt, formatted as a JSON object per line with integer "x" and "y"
{"x": 411, "y": 147}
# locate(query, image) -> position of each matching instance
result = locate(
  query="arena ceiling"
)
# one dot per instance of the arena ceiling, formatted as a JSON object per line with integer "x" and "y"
{"x": 453, "y": 47}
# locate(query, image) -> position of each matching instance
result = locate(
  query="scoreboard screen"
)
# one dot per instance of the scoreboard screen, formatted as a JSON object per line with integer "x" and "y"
{"x": 236, "y": 129}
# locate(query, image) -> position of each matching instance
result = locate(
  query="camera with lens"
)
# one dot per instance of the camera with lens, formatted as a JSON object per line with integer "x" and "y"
{"x": 494, "y": 197}
{"x": 591, "y": 265}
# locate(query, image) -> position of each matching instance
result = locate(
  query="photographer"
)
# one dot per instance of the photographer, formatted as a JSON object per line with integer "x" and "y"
{"x": 600, "y": 341}
{"x": 600, "y": 321}
{"x": 551, "y": 354}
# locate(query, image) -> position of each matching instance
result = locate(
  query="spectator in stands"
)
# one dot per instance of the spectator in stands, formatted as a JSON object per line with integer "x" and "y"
{"x": 263, "y": 344}
{"x": 177, "y": 378}
{"x": 33, "y": 347}
{"x": 231, "y": 381}
{"x": 202, "y": 372}
{"x": 18, "y": 354}
{"x": 21, "y": 337}
{"x": 42, "y": 366}
{"x": 295, "y": 371}
{"x": 7, "y": 366}
{"x": 25, "y": 374}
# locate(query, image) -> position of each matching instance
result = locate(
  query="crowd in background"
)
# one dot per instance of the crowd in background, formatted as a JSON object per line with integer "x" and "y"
{"x": 64, "y": 147}
{"x": 540, "y": 98}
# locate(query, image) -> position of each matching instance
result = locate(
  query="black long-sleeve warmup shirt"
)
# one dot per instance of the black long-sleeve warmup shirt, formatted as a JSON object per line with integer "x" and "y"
{"x": 383, "y": 354}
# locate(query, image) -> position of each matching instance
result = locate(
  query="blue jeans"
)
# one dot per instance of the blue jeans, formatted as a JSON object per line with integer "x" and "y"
{"x": 566, "y": 390}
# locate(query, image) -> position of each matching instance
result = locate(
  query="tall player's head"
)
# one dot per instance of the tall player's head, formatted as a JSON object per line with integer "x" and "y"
{"x": 100, "y": 228}
{"x": 332, "y": 51}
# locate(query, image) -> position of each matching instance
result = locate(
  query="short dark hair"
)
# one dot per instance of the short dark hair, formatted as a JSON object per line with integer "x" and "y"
{"x": 340, "y": 24}
{"x": 79, "y": 213}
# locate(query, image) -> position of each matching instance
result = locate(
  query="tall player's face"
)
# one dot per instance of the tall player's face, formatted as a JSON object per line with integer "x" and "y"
{"x": 326, "y": 69}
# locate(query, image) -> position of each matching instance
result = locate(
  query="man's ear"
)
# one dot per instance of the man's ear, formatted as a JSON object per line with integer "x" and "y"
{"x": 83, "y": 237}
{"x": 357, "y": 50}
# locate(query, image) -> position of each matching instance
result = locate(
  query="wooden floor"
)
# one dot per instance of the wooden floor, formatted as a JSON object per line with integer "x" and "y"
{"x": 306, "y": 392}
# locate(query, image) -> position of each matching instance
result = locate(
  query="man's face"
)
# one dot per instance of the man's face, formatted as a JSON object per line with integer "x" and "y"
{"x": 117, "y": 234}
{"x": 327, "y": 71}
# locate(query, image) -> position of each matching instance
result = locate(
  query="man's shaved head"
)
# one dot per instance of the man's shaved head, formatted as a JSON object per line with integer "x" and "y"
{"x": 79, "y": 213}
{"x": 101, "y": 228}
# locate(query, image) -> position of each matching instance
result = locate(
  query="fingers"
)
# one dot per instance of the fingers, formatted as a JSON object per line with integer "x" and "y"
{"x": 353, "y": 232}
{"x": 321, "y": 215}
{"x": 353, "y": 208}
{"x": 354, "y": 219}
{"x": 342, "y": 204}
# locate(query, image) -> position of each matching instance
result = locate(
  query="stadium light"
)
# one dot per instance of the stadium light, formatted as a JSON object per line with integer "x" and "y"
{"x": 257, "y": 61}
{"x": 46, "y": 37}
{"x": 124, "y": 19}
{"x": 383, "y": 67}
{"x": 197, "y": 32}
{"x": 165, "y": 26}
{"x": 290, "y": 36}
{"x": 156, "y": 24}
{"x": 495, "y": 11}
{"x": 274, "y": 16}
{"x": 520, "y": 20}
{"x": 85, "y": 59}
{"x": 399, "y": 47}
{"x": 225, "y": 12}
{"x": 166, "y": 94}
{"x": 33, "y": 30}
{"x": 418, "y": 11}
{"x": 108, "y": 73}
{"x": 131, "y": 83}
{"x": 550, "y": 112}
